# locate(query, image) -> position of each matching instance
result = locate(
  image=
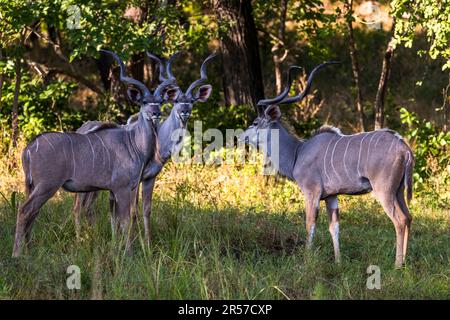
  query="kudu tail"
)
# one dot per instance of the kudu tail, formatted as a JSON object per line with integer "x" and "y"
{"x": 26, "y": 165}
{"x": 409, "y": 167}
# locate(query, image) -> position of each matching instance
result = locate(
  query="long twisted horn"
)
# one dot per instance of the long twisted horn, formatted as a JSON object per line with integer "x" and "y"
{"x": 127, "y": 80}
{"x": 159, "y": 89}
{"x": 283, "y": 94}
{"x": 303, "y": 94}
{"x": 160, "y": 65}
{"x": 169, "y": 65}
{"x": 202, "y": 75}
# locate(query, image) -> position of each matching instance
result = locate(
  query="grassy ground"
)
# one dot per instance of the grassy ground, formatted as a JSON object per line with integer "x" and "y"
{"x": 226, "y": 233}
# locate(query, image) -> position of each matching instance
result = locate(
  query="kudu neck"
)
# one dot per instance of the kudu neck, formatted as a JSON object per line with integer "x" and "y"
{"x": 143, "y": 138}
{"x": 167, "y": 140}
{"x": 288, "y": 146}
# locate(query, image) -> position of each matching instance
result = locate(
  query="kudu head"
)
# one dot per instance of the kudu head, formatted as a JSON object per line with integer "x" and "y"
{"x": 139, "y": 94}
{"x": 269, "y": 112}
{"x": 183, "y": 102}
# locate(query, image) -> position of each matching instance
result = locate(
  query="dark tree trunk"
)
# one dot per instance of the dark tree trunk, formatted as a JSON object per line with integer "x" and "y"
{"x": 355, "y": 66}
{"x": 15, "y": 106}
{"x": 2, "y": 78}
{"x": 383, "y": 84}
{"x": 242, "y": 76}
{"x": 279, "y": 49}
{"x": 137, "y": 67}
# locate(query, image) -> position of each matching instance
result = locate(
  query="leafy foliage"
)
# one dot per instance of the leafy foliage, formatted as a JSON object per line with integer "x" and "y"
{"x": 430, "y": 147}
{"x": 432, "y": 16}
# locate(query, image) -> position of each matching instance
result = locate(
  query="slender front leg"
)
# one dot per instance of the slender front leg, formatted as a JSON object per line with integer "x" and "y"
{"x": 333, "y": 219}
{"x": 113, "y": 214}
{"x": 123, "y": 207}
{"x": 312, "y": 209}
{"x": 147, "y": 195}
{"x": 76, "y": 211}
{"x": 88, "y": 206}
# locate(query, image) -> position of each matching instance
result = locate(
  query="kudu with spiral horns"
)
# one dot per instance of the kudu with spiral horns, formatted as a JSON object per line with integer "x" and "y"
{"x": 330, "y": 164}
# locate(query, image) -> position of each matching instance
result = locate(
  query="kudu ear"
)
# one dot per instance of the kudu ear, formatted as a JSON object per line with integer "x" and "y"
{"x": 171, "y": 94}
{"x": 272, "y": 113}
{"x": 203, "y": 93}
{"x": 134, "y": 95}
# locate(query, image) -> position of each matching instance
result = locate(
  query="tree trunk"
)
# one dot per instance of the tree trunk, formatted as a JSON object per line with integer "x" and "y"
{"x": 355, "y": 66}
{"x": 2, "y": 79}
{"x": 382, "y": 85}
{"x": 278, "y": 55}
{"x": 15, "y": 106}
{"x": 242, "y": 76}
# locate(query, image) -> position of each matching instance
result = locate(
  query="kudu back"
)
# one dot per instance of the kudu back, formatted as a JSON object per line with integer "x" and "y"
{"x": 330, "y": 164}
{"x": 105, "y": 158}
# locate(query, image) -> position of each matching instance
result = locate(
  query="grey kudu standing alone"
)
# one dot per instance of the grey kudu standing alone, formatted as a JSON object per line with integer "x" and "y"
{"x": 108, "y": 158}
{"x": 167, "y": 137}
{"x": 330, "y": 164}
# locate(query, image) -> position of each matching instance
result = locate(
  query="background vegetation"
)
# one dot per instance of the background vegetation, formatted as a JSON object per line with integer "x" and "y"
{"x": 220, "y": 231}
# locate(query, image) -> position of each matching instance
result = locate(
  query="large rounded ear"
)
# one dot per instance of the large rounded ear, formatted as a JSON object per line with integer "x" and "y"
{"x": 171, "y": 94}
{"x": 203, "y": 93}
{"x": 134, "y": 95}
{"x": 273, "y": 113}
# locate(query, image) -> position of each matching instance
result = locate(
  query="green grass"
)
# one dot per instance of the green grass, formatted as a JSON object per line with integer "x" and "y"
{"x": 246, "y": 244}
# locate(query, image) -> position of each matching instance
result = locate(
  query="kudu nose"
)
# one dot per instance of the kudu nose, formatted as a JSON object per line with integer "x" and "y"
{"x": 156, "y": 117}
{"x": 184, "y": 116}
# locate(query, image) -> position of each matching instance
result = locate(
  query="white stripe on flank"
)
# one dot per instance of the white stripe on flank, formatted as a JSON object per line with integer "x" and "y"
{"x": 359, "y": 154}
{"x": 378, "y": 140}
{"x": 392, "y": 142}
{"x": 37, "y": 145}
{"x": 107, "y": 151}
{"x": 49, "y": 142}
{"x": 368, "y": 148}
{"x": 93, "y": 153}
{"x": 332, "y": 155}
{"x": 325, "y": 157}
{"x": 73, "y": 156}
{"x": 345, "y": 166}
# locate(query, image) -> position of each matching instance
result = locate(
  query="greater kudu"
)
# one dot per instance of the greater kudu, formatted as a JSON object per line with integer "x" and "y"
{"x": 176, "y": 121}
{"x": 330, "y": 164}
{"x": 106, "y": 158}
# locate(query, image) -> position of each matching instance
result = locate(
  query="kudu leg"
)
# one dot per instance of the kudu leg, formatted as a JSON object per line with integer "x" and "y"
{"x": 76, "y": 211}
{"x": 88, "y": 206}
{"x": 147, "y": 195}
{"x": 28, "y": 213}
{"x": 333, "y": 219}
{"x": 312, "y": 209}
{"x": 408, "y": 219}
{"x": 113, "y": 214}
{"x": 125, "y": 201}
{"x": 393, "y": 209}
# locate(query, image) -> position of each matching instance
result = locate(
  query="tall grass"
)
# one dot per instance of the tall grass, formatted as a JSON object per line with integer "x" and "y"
{"x": 224, "y": 232}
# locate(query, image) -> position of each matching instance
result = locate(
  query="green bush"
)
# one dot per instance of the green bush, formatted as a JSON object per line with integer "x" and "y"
{"x": 430, "y": 147}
